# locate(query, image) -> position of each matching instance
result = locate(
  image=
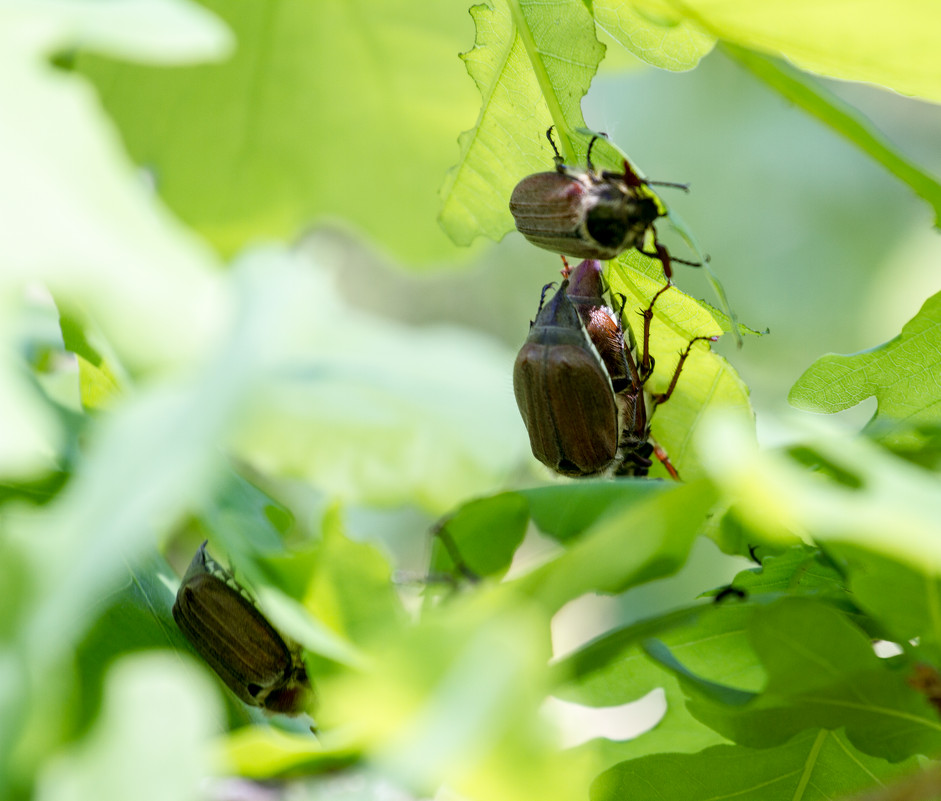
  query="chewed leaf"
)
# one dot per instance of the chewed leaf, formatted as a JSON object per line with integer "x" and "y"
{"x": 901, "y": 374}
{"x": 532, "y": 63}
{"x": 666, "y": 41}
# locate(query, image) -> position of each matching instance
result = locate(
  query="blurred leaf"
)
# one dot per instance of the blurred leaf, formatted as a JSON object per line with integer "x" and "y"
{"x": 135, "y": 617}
{"x": 532, "y": 64}
{"x": 373, "y": 411}
{"x": 901, "y": 597}
{"x": 822, "y": 672}
{"x": 677, "y": 732}
{"x": 76, "y": 217}
{"x": 814, "y": 765}
{"x": 664, "y": 41}
{"x": 270, "y": 142}
{"x": 707, "y": 381}
{"x": 267, "y": 753}
{"x": 481, "y": 536}
{"x": 709, "y": 640}
{"x": 870, "y": 41}
{"x": 455, "y": 699}
{"x": 901, "y": 374}
{"x": 155, "y": 31}
{"x": 151, "y": 742}
{"x": 97, "y": 380}
{"x": 350, "y": 588}
{"x": 628, "y": 547}
{"x": 891, "y": 506}
{"x": 565, "y": 511}
{"x": 845, "y": 120}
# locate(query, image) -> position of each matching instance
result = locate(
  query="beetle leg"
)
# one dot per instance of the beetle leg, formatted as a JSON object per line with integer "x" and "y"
{"x": 566, "y": 270}
{"x": 646, "y": 363}
{"x": 664, "y": 458}
{"x": 664, "y": 396}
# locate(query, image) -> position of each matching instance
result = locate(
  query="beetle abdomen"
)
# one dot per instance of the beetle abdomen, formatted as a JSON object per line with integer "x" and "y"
{"x": 568, "y": 407}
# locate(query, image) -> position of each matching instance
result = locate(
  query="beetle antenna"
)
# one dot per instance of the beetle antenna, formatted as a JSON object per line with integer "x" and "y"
{"x": 591, "y": 144}
{"x": 558, "y": 156}
{"x": 673, "y": 184}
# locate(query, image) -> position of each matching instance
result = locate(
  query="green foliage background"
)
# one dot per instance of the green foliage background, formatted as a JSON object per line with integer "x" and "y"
{"x": 238, "y": 306}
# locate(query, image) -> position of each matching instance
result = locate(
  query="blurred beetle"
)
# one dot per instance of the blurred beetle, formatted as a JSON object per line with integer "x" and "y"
{"x": 226, "y": 629}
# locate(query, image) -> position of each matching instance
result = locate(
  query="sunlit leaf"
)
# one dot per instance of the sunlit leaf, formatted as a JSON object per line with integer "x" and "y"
{"x": 247, "y": 164}
{"x": 532, "y": 64}
{"x": 901, "y": 374}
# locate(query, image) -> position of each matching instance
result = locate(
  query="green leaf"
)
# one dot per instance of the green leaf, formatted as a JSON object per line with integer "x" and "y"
{"x": 799, "y": 571}
{"x": 134, "y": 618}
{"x": 900, "y": 374}
{"x": 565, "y": 511}
{"x": 710, "y": 640}
{"x": 532, "y": 64}
{"x": 677, "y": 732}
{"x": 912, "y": 609}
{"x": 631, "y": 546}
{"x": 663, "y": 40}
{"x": 481, "y": 536}
{"x": 845, "y": 120}
{"x": 456, "y": 698}
{"x": 707, "y": 380}
{"x": 813, "y": 766}
{"x": 822, "y": 673}
{"x": 887, "y": 45}
{"x": 267, "y": 753}
{"x": 274, "y": 139}
{"x": 350, "y": 587}
{"x": 374, "y": 411}
{"x": 779, "y": 500}
{"x": 154, "y": 704}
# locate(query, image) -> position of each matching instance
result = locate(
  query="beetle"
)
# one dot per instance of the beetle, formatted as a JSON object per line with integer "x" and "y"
{"x": 589, "y": 214}
{"x": 564, "y": 392}
{"x": 629, "y": 370}
{"x": 227, "y": 630}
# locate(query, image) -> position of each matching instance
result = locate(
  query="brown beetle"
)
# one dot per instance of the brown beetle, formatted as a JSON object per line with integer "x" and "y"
{"x": 564, "y": 392}
{"x": 586, "y": 213}
{"x": 226, "y": 629}
{"x": 628, "y": 370}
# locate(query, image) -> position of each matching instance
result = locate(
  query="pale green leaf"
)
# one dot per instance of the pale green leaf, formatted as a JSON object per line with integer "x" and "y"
{"x": 662, "y": 40}
{"x": 532, "y": 63}
{"x": 902, "y": 374}
{"x": 327, "y": 111}
{"x": 151, "y": 742}
{"x": 863, "y": 40}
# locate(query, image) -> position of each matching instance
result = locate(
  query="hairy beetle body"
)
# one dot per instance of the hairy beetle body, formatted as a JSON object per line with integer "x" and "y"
{"x": 564, "y": 393}
{"x": 237, "y": 641}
